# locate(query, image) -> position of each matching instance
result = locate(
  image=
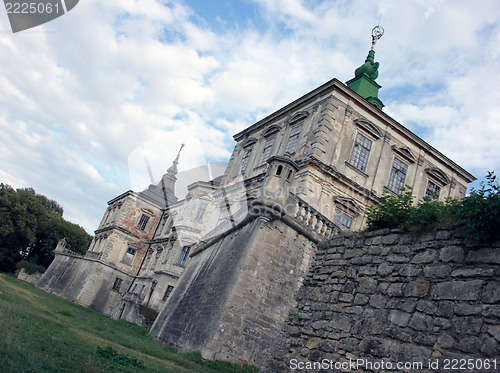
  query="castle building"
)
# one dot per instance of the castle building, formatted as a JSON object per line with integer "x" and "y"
{"x": 217, "y": 271}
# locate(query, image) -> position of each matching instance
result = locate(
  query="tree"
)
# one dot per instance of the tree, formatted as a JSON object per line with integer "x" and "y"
{"x": 30, "y": 227}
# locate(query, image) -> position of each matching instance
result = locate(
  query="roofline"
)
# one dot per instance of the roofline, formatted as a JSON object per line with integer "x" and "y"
{"x": 335, "y": 83}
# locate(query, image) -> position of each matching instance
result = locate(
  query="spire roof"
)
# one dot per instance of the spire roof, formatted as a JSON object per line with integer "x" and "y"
{"x": 364, "y": 83}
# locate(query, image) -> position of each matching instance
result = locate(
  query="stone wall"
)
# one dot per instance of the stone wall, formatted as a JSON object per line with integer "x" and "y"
{"x": 395, "y": 297}
{"x": 84, "y": 281}
{"x": 234, "y": 296}
{"x": 32, "y": 278}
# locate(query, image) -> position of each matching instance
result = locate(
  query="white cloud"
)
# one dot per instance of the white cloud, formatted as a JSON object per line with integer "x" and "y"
{"x": 80, "y": 95}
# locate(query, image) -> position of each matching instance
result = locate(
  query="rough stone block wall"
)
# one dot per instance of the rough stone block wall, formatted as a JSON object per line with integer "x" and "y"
{"x": 32, "y": 278}
{"x": 234, "y": 296}
{"x": 83, "y": 281}
{"x": 396, "y": 297}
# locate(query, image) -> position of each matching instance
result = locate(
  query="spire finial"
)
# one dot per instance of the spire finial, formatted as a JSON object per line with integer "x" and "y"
{"x": 173, "y": 169}
{"x": 377, "y": 33}
{"x": 176, "y": 161}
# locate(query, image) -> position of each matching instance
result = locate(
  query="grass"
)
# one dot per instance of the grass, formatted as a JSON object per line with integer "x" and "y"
{"x": 40, "y": 332}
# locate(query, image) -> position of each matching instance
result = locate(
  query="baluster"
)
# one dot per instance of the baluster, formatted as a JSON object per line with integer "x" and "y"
{"x": 319, "y": 226}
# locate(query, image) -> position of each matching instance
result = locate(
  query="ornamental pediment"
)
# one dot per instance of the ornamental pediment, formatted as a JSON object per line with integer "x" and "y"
{"x": 300, "y": 116}
{"x": 438, "y": 175}
{"x": 349, "y": 203}
{"x": 369, "y": 127}
{"x": 404, "y": 152}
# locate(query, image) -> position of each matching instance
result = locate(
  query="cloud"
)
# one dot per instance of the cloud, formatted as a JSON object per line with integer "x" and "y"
{"x": 83, "y": 95}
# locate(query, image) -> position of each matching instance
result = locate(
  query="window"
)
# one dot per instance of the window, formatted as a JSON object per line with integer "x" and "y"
{"x": 169, "y": 225}
{"x": 129, "y": 256}
{"x": 167, "y": 292}
{"x": 343, "y": 220}
{"x": 143, "y": 222}
{"x": 398, "y": 176}
{"x": 293, "y": 139}
{"x": 167, "y": 256}
{"x": 157, "y": 257}
{"x": 279, "y": 170}
{"x": 266, "y": 153}
{"x": 433, "y": 190}
{"x": 244, "y": 160}
{"x": 361, "y": 151}
{"x": 184, "y": 255}
{"x": 201, "y": 212}
{"x": 117, "y": 284}
{"x": 224, "y": 213}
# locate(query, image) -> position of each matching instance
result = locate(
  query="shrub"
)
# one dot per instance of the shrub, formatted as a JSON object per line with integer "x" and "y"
{"x": 392, "y": 211}
{"x": 29, "y": 267}
{"x": 479, "y": 212}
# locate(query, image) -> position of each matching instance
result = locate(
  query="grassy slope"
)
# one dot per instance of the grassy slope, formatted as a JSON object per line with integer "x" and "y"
{"x": 40, "y": 332}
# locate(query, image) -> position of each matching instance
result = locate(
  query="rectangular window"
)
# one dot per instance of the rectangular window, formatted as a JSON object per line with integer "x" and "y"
{"x": 293, "y": 139}
{"x": 201, "y": 212}
{"x": 167, "y": 256}
{"x": 343, "y": 220}
{"x": 398, "y": 176}
{"x": 117, "y": 284}
{"x": 433, "y": 190}
{"x": 167, "y": 292}
{"x": 129, "y": 256}
{"x": 244, "y": 160}
{"x": 143, "y": 222}
{"x": 266, "y": 153}
{"x": 183, "y": 256}
{"x": 224, "y": 213}
{"x": 361, "y": 151}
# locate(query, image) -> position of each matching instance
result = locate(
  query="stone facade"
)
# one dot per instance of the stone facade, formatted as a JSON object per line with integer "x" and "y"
{"x": 396, "y": 297}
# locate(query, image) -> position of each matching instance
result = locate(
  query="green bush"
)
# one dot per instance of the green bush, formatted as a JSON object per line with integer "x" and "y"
{"x": 29, "y": 267}
{"x": 479, "y": 212}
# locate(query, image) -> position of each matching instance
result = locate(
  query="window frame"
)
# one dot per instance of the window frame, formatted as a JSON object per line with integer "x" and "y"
{"x": 267, "y": 150}
{"x": 294, "y": 137}
{"x": 340, "y": 221}
{"x": 246, "y": 157}
{"x": 364, "y": 152}
{"x": 117, "y": 284}
{"x": 167, "y": 293}
{"x": 394, "y": 183}
{"x": 433, "y": 195}
{"x": 183, "y": 256}
{"x": 200, "y": 213}
{"x": 143, "y": 222}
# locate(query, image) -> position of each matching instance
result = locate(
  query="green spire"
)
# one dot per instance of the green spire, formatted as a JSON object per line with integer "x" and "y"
{"x": 364, "y": 83}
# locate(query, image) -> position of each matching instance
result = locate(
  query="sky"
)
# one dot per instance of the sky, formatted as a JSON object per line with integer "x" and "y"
{"x": 93, "y": 98}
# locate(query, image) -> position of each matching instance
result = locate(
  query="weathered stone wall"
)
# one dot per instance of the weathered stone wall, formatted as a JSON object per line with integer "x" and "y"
{"x": 235, "y": 295}
{"x": 396, "y": 297}
{"x": 84, "y": 281}
{"x": 32, "y": 278}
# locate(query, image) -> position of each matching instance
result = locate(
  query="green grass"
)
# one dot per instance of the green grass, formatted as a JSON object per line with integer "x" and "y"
{"x": 40, "y": 332}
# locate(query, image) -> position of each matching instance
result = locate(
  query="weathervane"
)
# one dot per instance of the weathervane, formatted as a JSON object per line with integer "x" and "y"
{"x": 377, "y": 33}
